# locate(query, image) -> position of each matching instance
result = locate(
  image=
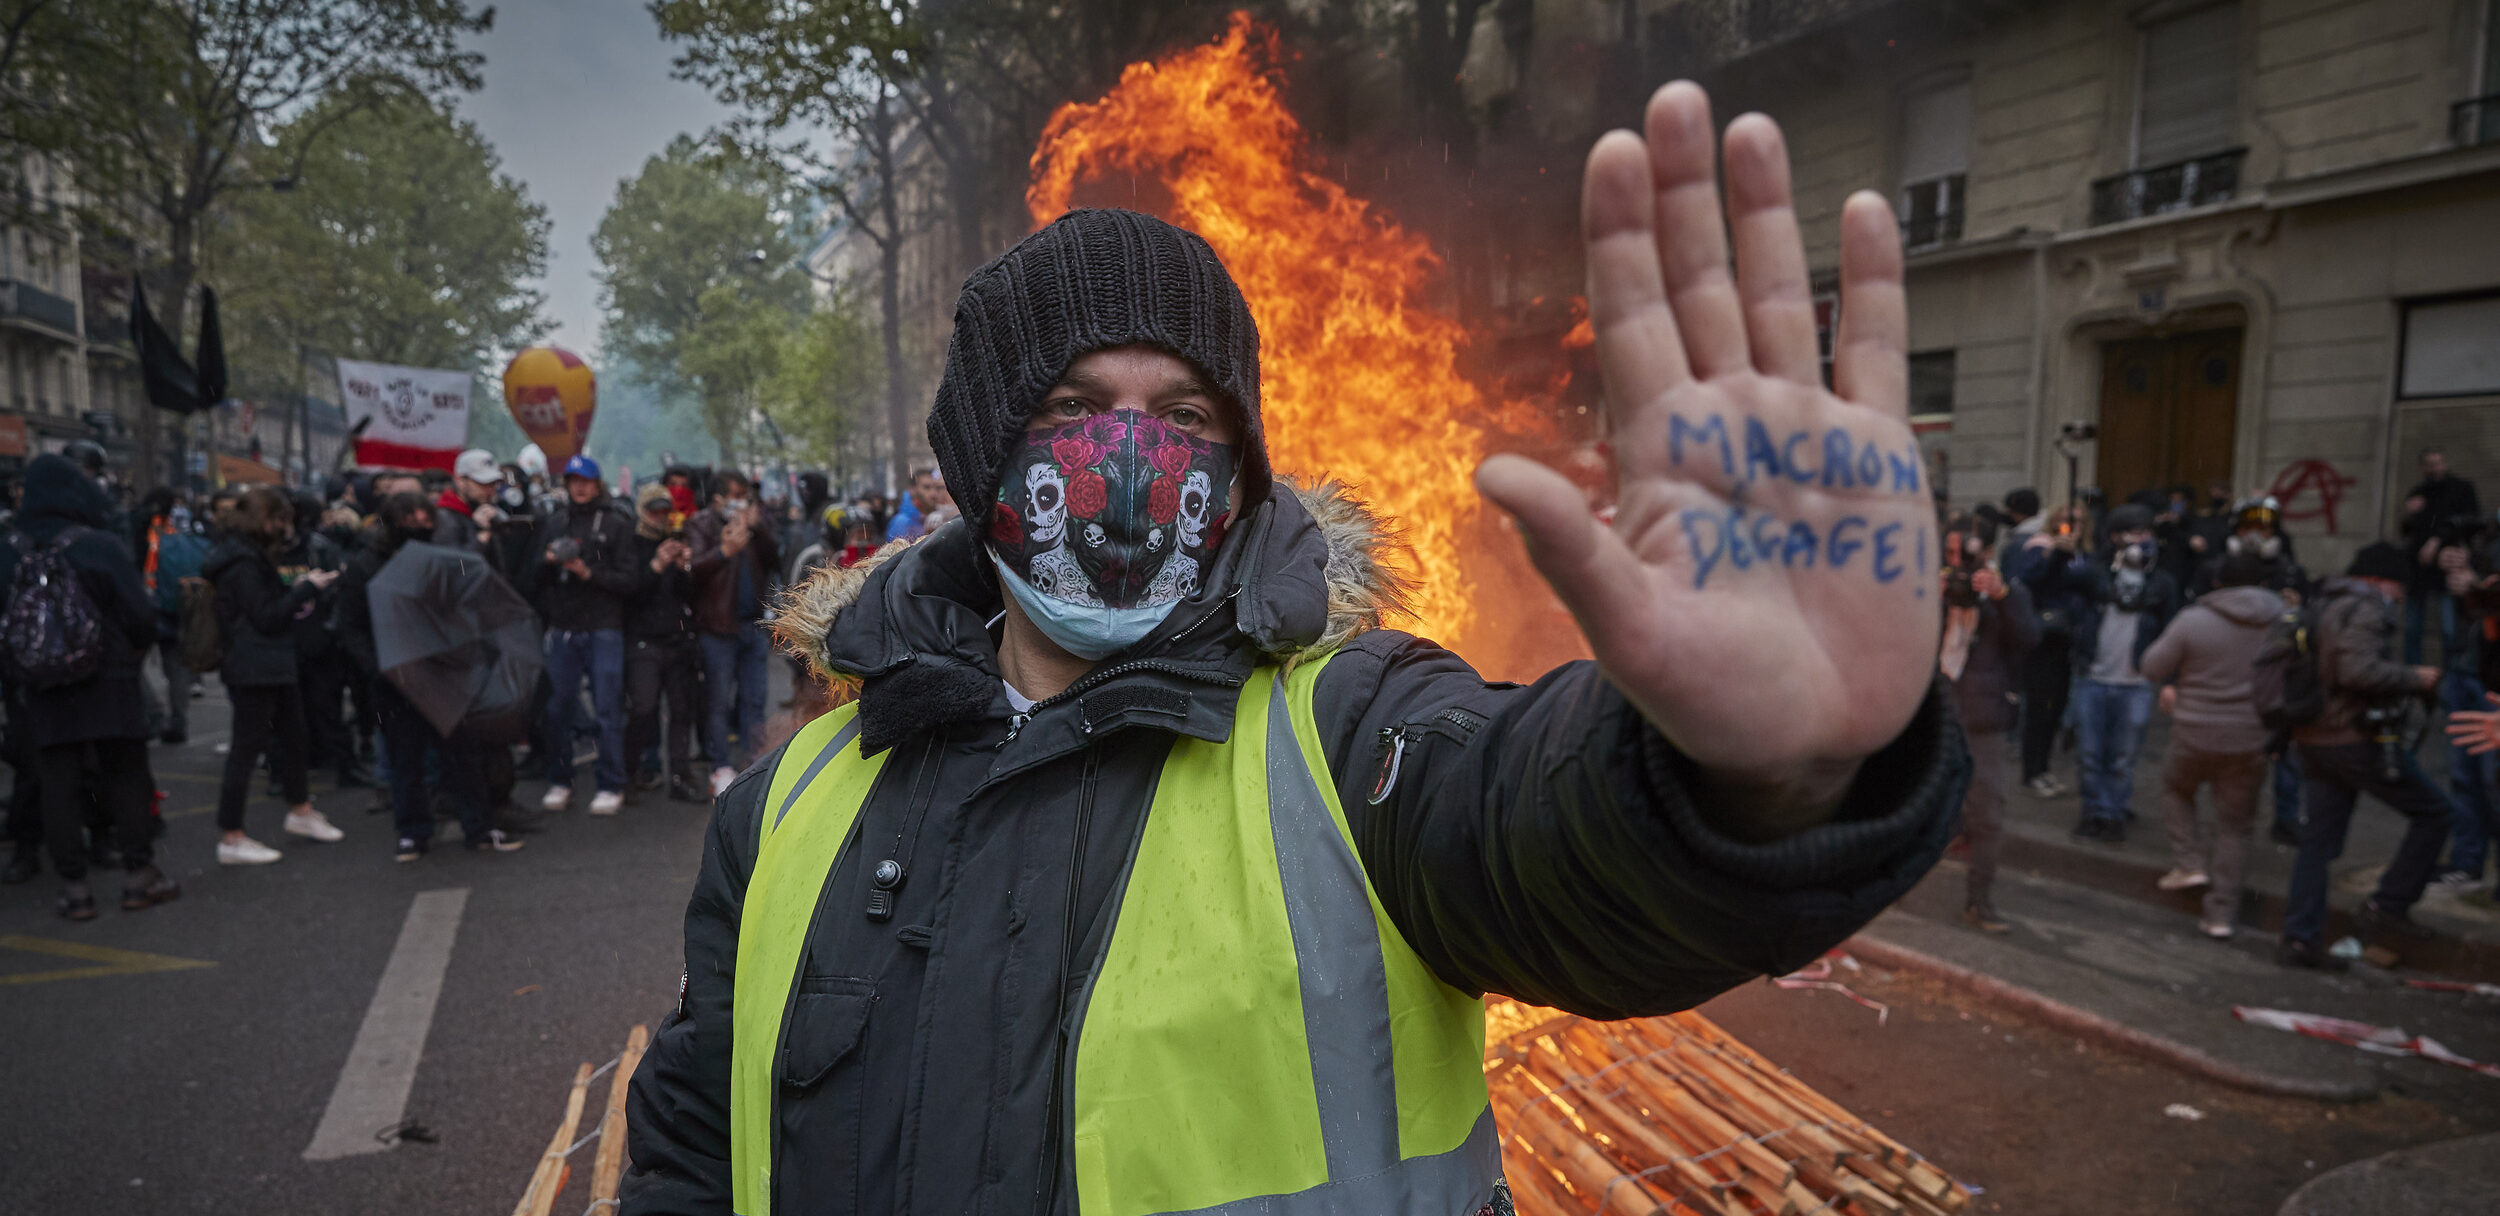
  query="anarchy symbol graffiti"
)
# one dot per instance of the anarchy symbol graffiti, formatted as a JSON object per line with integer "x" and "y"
{"x": 2306, "y": 478}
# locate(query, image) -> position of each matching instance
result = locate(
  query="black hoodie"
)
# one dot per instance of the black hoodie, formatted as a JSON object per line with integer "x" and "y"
{"x": 258, "y": 613}
{"x": 107, "y": 705}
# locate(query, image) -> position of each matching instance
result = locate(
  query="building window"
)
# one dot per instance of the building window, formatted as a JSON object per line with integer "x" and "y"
{"x": 2186, "y": 152}
{"x": 2451, "y": 347}
{"x": 1931, "y": 386}
{"x": 1935, "y": 160}
{"x": 2187, "y": 99}
{"x": 2476, "y": 119}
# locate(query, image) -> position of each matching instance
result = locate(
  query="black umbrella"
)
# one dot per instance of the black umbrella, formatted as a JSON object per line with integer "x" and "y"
{"x": 456, "y": 640}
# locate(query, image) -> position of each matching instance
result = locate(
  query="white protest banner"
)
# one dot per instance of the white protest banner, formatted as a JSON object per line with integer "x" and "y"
{"x": 412, "y": 417}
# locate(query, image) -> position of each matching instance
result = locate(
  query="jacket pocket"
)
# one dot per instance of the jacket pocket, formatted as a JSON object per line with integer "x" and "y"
{"x": 825, "y": 1027}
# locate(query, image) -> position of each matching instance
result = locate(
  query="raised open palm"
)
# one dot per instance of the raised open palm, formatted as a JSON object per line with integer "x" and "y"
{"x": 1764, "y": 594}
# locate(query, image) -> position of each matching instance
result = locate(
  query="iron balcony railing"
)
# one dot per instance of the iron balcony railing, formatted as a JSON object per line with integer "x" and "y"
{"x": 34, "y": 304}
{"x": 2476, "y": 120}
{"x": 2161, "y": 189}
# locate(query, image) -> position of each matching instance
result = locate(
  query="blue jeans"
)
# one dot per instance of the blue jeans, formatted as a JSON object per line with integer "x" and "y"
{"x": 2109, "y": 730}
{"x": 2337, "y": 777}
{"x": 740, "y": 655}
{"x": 2471, "y": 782}
{"x": 599, "y": 654}
{"x": 2431, "y": 609}
{"x": 2287, "y": 790}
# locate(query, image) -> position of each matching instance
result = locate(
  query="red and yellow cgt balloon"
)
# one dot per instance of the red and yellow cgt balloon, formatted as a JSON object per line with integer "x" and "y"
{"x": 552, "y": 394}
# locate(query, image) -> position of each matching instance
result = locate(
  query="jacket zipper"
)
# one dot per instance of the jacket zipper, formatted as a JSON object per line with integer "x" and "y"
{"x": 1053, "y": 1132}
{"x": 1097, "y": 678}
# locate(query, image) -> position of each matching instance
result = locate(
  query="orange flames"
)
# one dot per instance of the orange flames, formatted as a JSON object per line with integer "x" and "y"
{"x": 1360, "y": 378}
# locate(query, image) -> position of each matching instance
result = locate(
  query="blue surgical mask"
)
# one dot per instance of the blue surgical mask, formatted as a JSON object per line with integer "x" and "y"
{"x": 1086, "y": 631}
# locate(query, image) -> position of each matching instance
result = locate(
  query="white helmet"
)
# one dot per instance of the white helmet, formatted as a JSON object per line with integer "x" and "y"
{"x": 533, "y": 461}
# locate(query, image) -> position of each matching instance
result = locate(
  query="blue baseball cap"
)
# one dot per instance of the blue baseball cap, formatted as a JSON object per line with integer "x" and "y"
{"x": 582, "y": 466}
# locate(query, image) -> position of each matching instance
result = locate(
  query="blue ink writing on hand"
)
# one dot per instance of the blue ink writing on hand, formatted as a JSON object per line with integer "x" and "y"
{"x": 1759, "y": 454}
{"x": 1887, "y": 555}
{"x": 1678, "y": 431}
{"x": 1837, "y": 452}
{"x": 1842, "y": 550}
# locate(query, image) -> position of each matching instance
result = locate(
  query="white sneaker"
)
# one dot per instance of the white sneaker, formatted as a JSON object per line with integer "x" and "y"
{"x": 2215, "y": 929}
{"x": 245, "y": 852}
{"x": 721, "y": 777}
{"x": 2181, "y": 880}
{"x": 558, "y": 797}
{"x": 606, "y": 802}
{"x": 313, "y": 825}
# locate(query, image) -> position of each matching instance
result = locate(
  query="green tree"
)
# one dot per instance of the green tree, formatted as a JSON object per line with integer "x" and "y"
{"x": 401, "y": 243}
{"x": 168, "y": 104}
{"x": 822, "y": 396}
{"x": 698, "y": 282}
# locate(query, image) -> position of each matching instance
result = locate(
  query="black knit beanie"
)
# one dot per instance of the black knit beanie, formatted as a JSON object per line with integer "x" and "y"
{"x": 1089, "y": 281}
{"x": 2379, "y": 559}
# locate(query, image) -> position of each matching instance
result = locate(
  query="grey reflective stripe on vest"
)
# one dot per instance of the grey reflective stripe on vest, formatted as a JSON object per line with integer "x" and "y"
{"x": 1336, "y": 948}
{"x": 841, "y": 739}
{"x": 1458, "y": 1182}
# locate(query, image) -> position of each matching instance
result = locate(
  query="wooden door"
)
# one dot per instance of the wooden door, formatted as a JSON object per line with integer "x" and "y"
{"x": 2169, "y": 410}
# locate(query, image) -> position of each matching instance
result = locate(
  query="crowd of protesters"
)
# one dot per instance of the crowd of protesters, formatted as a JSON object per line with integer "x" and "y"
{"x": 2078, "y": 623}
{"x": 651, "y": 608}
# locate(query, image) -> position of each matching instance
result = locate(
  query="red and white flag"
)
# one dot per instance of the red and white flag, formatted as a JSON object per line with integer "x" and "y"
{"x": 411, "y": 417}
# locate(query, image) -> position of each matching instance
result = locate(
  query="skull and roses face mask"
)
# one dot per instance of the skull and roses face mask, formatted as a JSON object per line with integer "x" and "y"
{"x": 1102, "y": 524}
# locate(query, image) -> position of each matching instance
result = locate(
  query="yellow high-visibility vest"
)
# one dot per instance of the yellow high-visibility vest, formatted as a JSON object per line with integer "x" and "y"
{"x": 1259, "y": 1038}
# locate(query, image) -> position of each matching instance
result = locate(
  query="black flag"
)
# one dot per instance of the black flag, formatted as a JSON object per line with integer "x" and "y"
{"x": 170, "y": 380}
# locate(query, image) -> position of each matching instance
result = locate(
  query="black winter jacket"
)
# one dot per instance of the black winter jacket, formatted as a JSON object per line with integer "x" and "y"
{"x": 2089, "y": 587}
{"x": 567, "y": 601}
{"x": 1541, "y": 841}
{"x": 106, "y": 705}
{"x": 258, "y": 613}
{"x": 657, "y": 609}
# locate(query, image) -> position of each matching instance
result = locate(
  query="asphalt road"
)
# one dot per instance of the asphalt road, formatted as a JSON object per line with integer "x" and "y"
{"x": 198, "y": 1089}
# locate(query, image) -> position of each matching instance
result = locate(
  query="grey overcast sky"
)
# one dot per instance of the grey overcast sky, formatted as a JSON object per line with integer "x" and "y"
{"x": 577, "y": 96}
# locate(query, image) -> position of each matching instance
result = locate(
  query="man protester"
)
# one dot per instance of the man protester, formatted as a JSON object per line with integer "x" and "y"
{"x": 2122, "y": 602}
{"x": 2468, "y": 566}
{"x": 1989, "y": 626}
{"x": 2203, "y": 663}
{"x": 88, "y": 738}
{"x": 2048, "y": 674}
{"x": 408, "y": 739}
{"x": 585, "y": 570}
{"x": 733, "y": 557}
{"x": 466, "y": 514}
{"x": 2437, "y": 509}
{"x": 912, "y": 519}
{"x": 2343, "y": 755}
{"x": 1133, "y": 761}
{"x": 661, "y": 669}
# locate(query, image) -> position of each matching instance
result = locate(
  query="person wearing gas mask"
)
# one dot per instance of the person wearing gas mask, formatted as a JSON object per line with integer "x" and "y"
{"x": 2121, "y": 601}
{"x": 2257, "y": 531}
{"x": 2354, "y": 747}
{"x": 1151, "y": 872}
{"x": 1989, "y": 625}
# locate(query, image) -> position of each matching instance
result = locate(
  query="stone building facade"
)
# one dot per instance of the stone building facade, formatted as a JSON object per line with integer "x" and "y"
{"x": 2252, "y": 243}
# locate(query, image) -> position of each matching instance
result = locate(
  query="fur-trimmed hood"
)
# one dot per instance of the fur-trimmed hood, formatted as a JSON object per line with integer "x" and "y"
{"x": 1305, "y": 571}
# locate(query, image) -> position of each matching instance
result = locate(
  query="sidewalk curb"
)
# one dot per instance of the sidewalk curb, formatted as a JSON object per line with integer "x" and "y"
{"x": 2087, "y": 1025}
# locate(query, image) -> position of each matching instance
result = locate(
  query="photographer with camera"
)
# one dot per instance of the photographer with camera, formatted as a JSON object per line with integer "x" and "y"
{"x": 2120, "y": 603}
{"x": 735, "y": 557}
{"x": 2204, "y": 663}
{"x": 1988, "y": 627}
{"x": 585, "y": 570}
{"x": 2354, "y": 746}
{"x": 2048, "y": 675}
{"x": 660, "y": 662}
{"x": 2440, "y": 510}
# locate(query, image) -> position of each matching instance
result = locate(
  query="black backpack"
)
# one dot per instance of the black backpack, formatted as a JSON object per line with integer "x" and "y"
{"x": 51, "y": 632}
{"x": 2285, "y": 684}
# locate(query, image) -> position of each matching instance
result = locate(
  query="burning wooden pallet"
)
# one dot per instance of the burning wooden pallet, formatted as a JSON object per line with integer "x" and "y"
{"x": 1671, "y": 1116}
{"x": 1660, "y": 1116}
